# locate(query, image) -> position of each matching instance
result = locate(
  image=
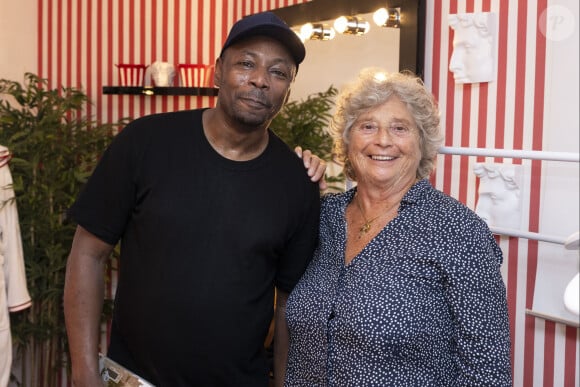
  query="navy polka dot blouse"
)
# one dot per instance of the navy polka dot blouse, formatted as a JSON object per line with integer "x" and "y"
{"x": 423, "y": 304}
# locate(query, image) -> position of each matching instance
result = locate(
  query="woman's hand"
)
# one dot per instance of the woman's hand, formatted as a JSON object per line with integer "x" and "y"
{"x": 315, "y": 166}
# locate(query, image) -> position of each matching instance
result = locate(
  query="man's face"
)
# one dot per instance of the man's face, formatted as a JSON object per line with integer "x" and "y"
{"x": 254, "y": 78}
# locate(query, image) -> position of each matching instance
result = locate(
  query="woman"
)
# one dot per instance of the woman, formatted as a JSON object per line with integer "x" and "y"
{"x": 405, "y": 286}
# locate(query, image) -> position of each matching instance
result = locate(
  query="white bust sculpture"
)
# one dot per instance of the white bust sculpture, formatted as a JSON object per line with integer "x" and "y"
{"x": 572, "y": 292}
{"x": 162, "y": 73}
{"x": 499, "y": 201}
{"x": 474, "y": 37}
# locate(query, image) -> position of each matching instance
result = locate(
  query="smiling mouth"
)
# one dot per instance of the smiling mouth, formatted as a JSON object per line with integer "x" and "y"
{"x": 255, "y": 99}
{"x": 382, "y": 158}
{"x": 255, "y": 103}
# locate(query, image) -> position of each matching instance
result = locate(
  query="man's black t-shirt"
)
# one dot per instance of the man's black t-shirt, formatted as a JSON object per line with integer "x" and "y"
{"x": 203, "y": 242}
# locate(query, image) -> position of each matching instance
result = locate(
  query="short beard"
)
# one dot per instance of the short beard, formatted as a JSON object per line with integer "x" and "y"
{"x": 252, "y": 121}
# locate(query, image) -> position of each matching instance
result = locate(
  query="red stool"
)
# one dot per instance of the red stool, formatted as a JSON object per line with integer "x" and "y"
{"x": 131, "y": 74}
{"x": 196, "y": 75}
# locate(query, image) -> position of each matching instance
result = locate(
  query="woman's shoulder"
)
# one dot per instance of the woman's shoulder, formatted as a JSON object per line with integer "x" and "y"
{"x": 334, "y": 204}
{"x": 440, "y": 204}
{"x": 332, "y": 199}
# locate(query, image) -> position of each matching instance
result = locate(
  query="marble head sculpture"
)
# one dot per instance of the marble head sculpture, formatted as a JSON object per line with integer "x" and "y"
{"x": 474, "y": 37}
{"x": 499, "y": 202}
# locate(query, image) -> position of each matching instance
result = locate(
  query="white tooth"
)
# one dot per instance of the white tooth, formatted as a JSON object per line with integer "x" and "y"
{"x": 382, "y": 158}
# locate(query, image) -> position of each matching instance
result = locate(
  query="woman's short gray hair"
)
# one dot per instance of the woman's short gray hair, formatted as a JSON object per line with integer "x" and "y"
{"x": 374, "y": 87}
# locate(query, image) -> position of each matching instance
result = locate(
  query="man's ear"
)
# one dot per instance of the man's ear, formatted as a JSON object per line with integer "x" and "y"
{"x": 217, "y": 75}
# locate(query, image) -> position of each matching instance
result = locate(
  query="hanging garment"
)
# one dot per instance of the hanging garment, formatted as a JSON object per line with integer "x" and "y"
{"x": 13, "y": 289}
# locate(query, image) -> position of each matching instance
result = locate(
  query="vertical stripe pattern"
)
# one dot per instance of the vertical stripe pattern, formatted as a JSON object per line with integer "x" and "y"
{"x": 508, "y": 113}
{"x": 81, "y": 42}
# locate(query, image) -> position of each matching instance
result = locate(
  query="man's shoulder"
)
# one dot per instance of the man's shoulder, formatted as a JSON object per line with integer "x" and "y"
{"x": 161, "y": 124}
{"x": 282, "y": 150}
{"x": 176, "y": 117}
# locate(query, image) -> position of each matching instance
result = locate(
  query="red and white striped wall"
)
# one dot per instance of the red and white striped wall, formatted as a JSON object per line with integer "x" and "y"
{"x": 506, "y": 114}
{"x": 79, "y": 43}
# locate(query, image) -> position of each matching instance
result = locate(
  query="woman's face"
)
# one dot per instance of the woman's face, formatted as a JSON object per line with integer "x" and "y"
{"x": 384, "y": 147}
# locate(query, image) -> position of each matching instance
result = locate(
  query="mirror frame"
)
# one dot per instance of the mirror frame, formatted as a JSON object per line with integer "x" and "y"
{"x": 412, "y": 29}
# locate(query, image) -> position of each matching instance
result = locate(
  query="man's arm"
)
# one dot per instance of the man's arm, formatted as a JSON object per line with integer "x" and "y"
{"x": 281, "y": 338}
{"x": 83, "y": 302}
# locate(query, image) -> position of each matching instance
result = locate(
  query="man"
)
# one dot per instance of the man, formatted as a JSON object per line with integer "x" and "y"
{"x": 213, "y": 211}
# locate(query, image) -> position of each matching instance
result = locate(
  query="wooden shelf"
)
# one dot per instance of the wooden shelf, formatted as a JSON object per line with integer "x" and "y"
{"x": 139, "y": 90}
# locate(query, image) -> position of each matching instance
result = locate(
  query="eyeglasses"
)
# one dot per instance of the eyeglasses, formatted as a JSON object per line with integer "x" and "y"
{"x": 396, "y": 130}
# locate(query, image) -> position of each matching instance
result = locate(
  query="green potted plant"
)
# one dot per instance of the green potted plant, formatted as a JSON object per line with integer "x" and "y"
{"x": 305, "y": 123}
{"x": 55, "y": 148}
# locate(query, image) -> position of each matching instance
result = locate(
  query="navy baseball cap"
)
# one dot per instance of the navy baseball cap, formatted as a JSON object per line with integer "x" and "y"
{"x": 267, "y": 24}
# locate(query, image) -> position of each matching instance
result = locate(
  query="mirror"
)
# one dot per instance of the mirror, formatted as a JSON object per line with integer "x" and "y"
{"x": 336, "y": 61}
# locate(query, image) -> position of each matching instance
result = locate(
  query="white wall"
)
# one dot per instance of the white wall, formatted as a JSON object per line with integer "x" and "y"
{"x": 18, "y": 22}
{"x": 559, "y": 211}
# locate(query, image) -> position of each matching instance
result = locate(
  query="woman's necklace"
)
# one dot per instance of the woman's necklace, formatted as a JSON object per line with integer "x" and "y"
{"x": 367, "y": 224}
{"x": 365, "y": 228}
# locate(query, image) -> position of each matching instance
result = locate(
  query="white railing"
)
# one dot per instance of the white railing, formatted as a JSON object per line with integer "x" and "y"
{"x": 511, "y": 153}
{"x": 517, "y": 154}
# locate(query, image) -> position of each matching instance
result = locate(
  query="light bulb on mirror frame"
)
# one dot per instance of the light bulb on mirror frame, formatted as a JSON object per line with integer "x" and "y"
{"x": 306, "y": 31}
{"x": 387, "y": 17}
{"x": 299, "y": 34}
{"x": 351, "y": 25}
{"x": 317, "y": 31}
